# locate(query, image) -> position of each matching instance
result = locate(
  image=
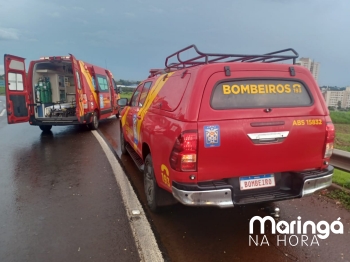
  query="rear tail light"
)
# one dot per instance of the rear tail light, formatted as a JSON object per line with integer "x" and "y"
{"x": 330, "y": 134}
{"x": 183, "y": 157}
{"x": 85, "y": 101}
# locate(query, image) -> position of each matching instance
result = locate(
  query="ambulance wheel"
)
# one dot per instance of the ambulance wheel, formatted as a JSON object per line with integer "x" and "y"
{"x": 122, "y": 141}
{"x": 94, "y": 123}
{"x": 152, "y": 190}
{"x": 45, "y": 128}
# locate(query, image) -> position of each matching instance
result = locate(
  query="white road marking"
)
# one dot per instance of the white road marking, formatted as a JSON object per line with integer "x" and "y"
{"x": 2, "y": 112}
{"x": 140, "y": 227}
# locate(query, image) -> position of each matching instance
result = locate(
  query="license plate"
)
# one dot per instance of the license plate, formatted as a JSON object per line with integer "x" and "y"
{"x": 254, "y": 182}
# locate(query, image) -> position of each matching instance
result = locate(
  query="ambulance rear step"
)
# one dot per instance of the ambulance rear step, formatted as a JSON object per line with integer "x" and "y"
{"x": 138, "y": 160}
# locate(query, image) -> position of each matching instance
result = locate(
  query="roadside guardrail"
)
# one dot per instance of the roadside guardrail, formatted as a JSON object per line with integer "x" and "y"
{"x": 341, "y": 160}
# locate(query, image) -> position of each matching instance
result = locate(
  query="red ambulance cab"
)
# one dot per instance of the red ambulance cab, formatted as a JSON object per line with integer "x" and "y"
{"x": 57, "y": 91}
{"x": 228, "y": 129}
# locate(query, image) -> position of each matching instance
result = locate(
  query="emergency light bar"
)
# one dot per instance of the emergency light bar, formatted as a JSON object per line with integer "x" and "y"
{"x": 54, "y": 57}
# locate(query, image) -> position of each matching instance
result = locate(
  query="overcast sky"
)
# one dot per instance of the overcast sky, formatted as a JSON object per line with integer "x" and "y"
{"x": 129, "y": 37}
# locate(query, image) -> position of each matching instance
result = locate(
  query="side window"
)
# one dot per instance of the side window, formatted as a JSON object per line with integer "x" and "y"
{"x": 102, "y": 83}
{"x": 109, "y": 82}
{"x": 78, "y": 79}
{"x": 144, "y": 93}
{"x": 94, "y": 82}
{"x": 15, "y": 81}
{"x": 170, "y": 97}
{"x": 136, "y": 96}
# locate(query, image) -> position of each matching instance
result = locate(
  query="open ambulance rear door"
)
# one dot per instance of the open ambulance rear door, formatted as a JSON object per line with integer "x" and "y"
{"x": 80, "y": 99}
{"x": 17, "y": 93}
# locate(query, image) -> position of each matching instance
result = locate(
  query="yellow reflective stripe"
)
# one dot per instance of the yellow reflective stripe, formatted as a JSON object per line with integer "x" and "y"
{"x": 124, "y": 116}
{"x": 81, "y": 106}
{"x": 153, "y": 92}
{"x": 135, "y": 146}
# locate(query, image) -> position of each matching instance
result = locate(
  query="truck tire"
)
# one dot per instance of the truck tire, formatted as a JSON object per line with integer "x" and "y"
{"x": 152, "y": 190}
{"x": 94, "y": 123}
{"x": 45, "y": 128}
{"x": 117, "y": 115}
{"x": 122, "y": 141}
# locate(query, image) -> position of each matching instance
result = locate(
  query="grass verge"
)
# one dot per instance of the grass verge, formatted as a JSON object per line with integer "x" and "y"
{"x": 340, "y": 117}
{"x": 2, "y": 90}
{"x": 341, "y": 178}
{"x": 342, "y": 137}
{"x": 126, "y": 95}
{"x": 341, "y": 196}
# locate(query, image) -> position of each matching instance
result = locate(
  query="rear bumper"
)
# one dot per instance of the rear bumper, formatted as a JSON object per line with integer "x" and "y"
{"x": 313, "y": 184}
{"x": 219, "y": 197}
{"x": 225, "y": 193}
{"x": 60, "y": 121}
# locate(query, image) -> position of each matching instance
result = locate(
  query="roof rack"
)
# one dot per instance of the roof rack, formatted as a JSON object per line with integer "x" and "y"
{"x": 208, "y": 58}
{"x": 159, "y": 71}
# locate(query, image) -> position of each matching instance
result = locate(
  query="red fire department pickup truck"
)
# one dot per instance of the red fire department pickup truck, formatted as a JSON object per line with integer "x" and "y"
{"x": 58, "y": 90}
{"x": 228, "y": 129}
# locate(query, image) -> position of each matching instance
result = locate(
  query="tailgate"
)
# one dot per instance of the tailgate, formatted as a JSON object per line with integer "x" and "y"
{"x": 259, "y": 126}
{"x": 244, "y": 147}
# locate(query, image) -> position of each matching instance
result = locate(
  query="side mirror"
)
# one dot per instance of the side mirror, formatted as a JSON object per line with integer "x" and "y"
{"x": 122, "y": 102}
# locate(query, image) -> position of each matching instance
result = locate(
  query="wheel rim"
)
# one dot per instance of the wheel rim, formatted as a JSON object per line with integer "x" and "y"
{"x": 95, "y": 121}
{"x": 149, "y": 183}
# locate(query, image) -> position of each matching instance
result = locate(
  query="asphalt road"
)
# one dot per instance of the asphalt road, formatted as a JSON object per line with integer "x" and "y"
{"x": 212, "y": 234}
{"x": 59, "y": 200}
{"x": 2, "y": 108}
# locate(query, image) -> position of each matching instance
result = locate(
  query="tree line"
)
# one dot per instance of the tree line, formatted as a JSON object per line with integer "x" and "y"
{"x": 127, "y": 82}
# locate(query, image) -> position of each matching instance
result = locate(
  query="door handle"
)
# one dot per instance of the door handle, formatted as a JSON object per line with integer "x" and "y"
{"x": 270, "y": 137}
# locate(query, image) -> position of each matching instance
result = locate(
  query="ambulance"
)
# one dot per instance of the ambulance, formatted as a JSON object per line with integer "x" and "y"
{"x": 222, "y": 130}
{"x": 58, "y": 91}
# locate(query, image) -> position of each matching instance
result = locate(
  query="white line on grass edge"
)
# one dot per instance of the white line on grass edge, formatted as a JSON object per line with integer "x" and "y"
{"x": 141, "y": 229}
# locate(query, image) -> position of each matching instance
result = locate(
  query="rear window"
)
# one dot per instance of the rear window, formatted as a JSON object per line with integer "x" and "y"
{"x": 259, "y": 93}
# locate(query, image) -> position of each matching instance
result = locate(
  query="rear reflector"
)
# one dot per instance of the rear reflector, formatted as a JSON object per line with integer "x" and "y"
{"x": 329, "y": 150}
{"x": 330, "y": 135}
{"x": 85, "y": 101}
{"x": 183, "y": 157}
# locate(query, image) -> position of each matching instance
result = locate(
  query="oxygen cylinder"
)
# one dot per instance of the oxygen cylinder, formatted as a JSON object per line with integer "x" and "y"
{"x": 37, "y": 93}
{"x": 49, "y": 91}
{"x": 42, "y": 90}
{"x": 45, "y": 93}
